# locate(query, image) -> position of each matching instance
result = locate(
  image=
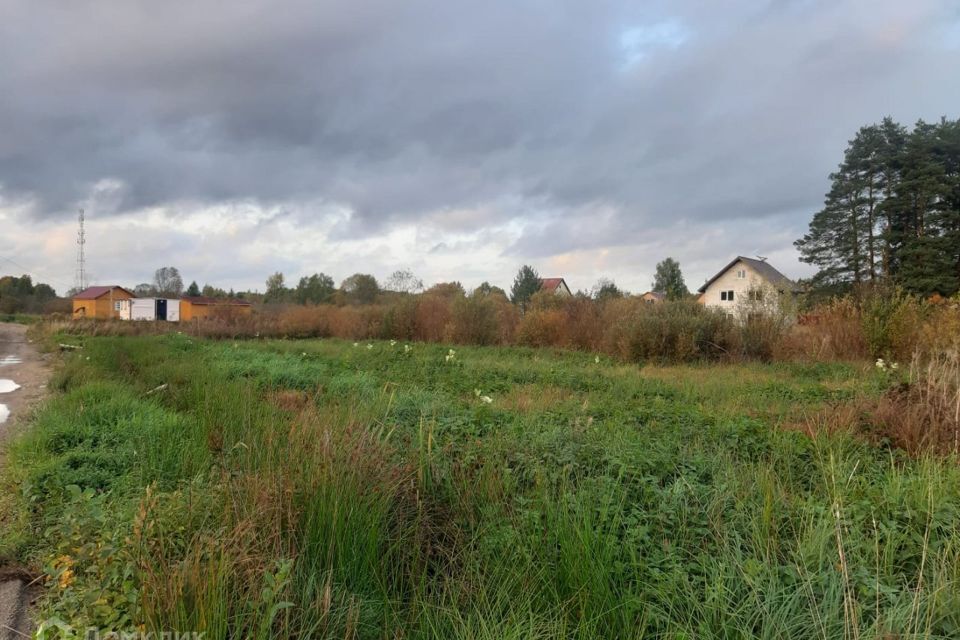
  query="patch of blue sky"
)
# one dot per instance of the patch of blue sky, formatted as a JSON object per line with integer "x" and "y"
{"x": 636, "y": 43}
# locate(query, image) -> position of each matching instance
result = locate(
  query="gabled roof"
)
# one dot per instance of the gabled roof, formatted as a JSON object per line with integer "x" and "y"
{"x": 659, "y": 295}
{"x": 552, "y": 284}
{"x": 92, "y": 293}
{"x": 762, "y": 267}
{"x": 209, "y": 300}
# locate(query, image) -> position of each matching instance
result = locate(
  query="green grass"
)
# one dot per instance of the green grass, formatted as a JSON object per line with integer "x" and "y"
{"x": 21, "y": 318}
{"x": 321, "y": 489}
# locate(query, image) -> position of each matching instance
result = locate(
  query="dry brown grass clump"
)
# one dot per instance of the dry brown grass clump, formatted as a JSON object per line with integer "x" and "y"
{"x": 917, "y": 416}
{"x": 529, "y": 398}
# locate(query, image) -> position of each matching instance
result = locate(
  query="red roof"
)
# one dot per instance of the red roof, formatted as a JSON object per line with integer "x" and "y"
{"x": 551, "y": 284}
{"x": 92, "y": 293}
{"x": 209, "y": 300}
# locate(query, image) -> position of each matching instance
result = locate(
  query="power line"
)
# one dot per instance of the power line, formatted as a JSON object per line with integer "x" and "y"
{"x": 36, "y": 274}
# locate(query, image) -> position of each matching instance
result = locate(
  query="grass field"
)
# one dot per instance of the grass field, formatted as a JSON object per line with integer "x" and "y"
{"x": 323, "y": 488}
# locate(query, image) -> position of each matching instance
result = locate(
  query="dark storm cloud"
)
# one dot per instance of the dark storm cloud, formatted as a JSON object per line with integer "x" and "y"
{"x": 648, "y": 112}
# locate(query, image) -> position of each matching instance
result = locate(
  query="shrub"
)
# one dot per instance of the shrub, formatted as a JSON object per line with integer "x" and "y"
{"x": 890, "y": 320}
{"x": 616, "y": 321}
{"x": 941, "y": 330}
{"x": 679, "y": 330}
{"x": 400, "y": 319}
{"x": 830, "y": 331}
{"x": 584, "y": 328}
{"x": 310, "y": 321}
{"x": 542, "y": 328}
{"x": 357, "y": 322}
{"x": 433, "y": 316}
{"x": 475, "y": 321}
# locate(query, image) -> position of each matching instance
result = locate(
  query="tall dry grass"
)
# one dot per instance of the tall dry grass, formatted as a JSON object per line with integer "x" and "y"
{"x": 884, "y": 324}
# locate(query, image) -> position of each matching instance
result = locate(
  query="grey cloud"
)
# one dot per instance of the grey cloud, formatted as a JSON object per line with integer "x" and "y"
{"x": 401, "y": 111}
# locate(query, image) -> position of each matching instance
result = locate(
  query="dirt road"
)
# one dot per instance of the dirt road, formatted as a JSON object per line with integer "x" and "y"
{"x": 21, "y": 363}
{"x": 23, "y": 381}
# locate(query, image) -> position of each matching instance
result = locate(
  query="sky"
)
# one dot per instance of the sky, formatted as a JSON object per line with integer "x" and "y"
{"x": 456, "y": 139}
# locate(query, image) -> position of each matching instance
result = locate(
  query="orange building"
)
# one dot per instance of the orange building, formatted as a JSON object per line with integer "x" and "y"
{"x": 196, "y": 307}
{"x": 101, "y": 302}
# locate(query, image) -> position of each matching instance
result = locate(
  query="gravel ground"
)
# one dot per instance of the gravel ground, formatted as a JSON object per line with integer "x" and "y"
{"x": 21, "y": 363}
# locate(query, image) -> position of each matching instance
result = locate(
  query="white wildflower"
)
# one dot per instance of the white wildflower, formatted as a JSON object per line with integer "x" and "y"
{"x": 894, "y": 365}
{"x": 881, "y": 364}
{"x": 597, "y": 359}
{"x": 356, "y": 344}
{"x": 407, "y": 348}
{"x": 369, "y": 346}
{"x": 486, "y": 399}
{"x": 451, "y": 355}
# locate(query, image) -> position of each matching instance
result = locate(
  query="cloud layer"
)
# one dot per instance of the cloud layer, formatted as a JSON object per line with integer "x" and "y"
{"x": 459, "y": 138}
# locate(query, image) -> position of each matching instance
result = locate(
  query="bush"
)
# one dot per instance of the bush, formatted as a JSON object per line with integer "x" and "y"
{"x": 433, "y": 316}
{"x": 890, "y": 320}
{"x": 677, "y": 330}
{"x": 542, "y": 328}
{"x": 584, "y": 328}
{"x": 304, "y": 321}
{"x": 356, "y": 322}
{"x": 475, "y": 321}
{"x": 400, "y": 319}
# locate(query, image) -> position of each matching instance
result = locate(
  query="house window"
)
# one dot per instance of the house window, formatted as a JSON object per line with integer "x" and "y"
{"x": 726, "y": 295}
{"x": 117, "y": 305}
{"x": 741, "y": 274}
{"x": 756, "y": 295}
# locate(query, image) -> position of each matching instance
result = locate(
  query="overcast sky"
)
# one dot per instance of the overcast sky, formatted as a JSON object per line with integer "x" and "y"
{"x": 457, "y": 139}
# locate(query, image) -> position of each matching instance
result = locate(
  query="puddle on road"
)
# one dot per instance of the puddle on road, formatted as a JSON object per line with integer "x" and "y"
{"x": 6, "y": 386}
{"x": 7, "y": 360}
{"x": 4, "y": 413}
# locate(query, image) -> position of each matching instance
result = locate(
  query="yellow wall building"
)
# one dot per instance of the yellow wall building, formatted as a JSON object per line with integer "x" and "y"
{"x": 196, "y": 307}
{"x": 100, "y": 302}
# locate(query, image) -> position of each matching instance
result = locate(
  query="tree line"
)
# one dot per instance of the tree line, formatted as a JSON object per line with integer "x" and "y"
{"x": 892, "y": 214}
{"x": 363, "y": 288}
{"x": 21, "y": 295}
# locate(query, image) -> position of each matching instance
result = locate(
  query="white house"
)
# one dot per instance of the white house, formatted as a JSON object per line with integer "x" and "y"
{"x": 555, "y": 285}
{"x": 745, "y": 283}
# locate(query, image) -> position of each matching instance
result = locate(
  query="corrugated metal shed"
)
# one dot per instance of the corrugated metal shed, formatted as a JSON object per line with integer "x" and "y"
{"x": 143, "y": 309}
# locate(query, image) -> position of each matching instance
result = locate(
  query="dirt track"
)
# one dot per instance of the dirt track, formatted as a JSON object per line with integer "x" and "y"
{"x": 20, "y": 362}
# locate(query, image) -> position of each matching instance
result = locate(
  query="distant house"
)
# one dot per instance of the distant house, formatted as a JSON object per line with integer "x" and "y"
{"x": 745, "y": 282}
{"x": 102, "y": 302}
{"x": 195, "y": 307}
{"x": 653, "y": 297}
{"x": 555, "y": 285}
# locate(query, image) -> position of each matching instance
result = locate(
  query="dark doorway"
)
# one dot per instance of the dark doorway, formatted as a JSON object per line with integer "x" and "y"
{"x": 161, "y": 309}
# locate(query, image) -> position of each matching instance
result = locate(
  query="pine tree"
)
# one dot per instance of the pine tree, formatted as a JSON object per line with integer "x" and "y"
{"x": 893, "y": 211}
{"x": 835, "y": 241}
{"x": 524, "y": 286}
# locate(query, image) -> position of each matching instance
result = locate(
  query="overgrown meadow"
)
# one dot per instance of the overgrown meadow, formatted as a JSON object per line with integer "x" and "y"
{"x": 382, "y": 489}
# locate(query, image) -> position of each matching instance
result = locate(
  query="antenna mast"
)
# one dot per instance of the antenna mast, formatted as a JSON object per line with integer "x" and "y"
{"x": 81, "y": 276}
